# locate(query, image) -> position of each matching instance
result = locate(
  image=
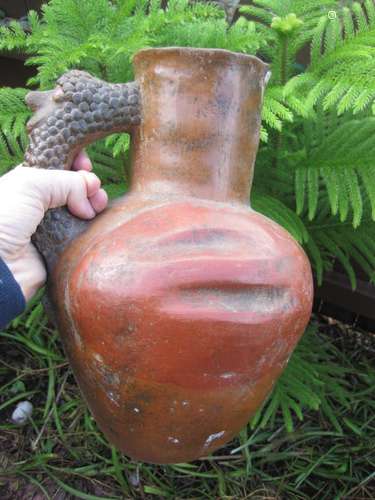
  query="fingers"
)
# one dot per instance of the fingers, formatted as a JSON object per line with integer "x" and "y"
{"x": 97, "y": 197}
{"x": 82, "y": 162}
{"x": 92, "y": 182}
{"x": 85, "y": 202}
{"x": 80, "y": 191}
{"x": 99, "y": 201}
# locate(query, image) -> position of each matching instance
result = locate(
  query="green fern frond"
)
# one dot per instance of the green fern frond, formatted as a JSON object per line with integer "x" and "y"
{"x": 263, "y": 136}
{"x": 106, "y": 166}
{"x": 287, "y": 27}
{"x": 300, "y": 181}
{"x": 278, "y": 109}
{"x": 271, "y": 119}
{"x": 201, "y": 25}
{"x": 339, "y": 166}
{"x": 119, "y": 143}
{"x": 318, "y": 262}
{"x": 316, "y": 42}
{"x": 310, "y": 382}
{"x": 367, "y": 177}
{"x": 313, "y": 191}
{"x": 12, "y": 37}
{"x": 12, "y": 109}
{"x": 102, "y": 37}
{"x": 276, "y": 210}
{"x": 334, "y": 239}
{"x": 342, "y": 70}
{"x": 12, "y": 152}
{"x": 13, "y": 117}
{"x": 310, "y": 12}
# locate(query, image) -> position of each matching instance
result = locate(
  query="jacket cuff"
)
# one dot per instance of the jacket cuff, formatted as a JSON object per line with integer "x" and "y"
{"x": 12, "y": 300}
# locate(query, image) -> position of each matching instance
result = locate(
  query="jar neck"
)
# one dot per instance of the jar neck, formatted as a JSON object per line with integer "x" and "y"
{"x": 200, "y": 126}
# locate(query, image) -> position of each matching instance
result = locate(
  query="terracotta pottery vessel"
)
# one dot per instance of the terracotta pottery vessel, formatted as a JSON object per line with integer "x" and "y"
{"x": 179, "y": 306}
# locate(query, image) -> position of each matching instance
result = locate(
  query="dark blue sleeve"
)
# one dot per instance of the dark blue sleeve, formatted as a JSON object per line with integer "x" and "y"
{"x": 12, "y": 301}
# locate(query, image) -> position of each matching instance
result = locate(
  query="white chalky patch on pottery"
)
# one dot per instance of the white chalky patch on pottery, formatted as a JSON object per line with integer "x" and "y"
{"x": 213, "y": 437}
{"x": 173, "y": 440}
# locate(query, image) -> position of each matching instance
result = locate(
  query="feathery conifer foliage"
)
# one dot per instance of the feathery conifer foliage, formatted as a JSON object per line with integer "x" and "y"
{"x": 316, "y": 163}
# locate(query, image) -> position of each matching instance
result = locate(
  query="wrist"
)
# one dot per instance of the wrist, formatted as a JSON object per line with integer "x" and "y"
{"x": 16, "y": 273}
{"x": 27, "y": 270}
{"x": 12, "y": 299}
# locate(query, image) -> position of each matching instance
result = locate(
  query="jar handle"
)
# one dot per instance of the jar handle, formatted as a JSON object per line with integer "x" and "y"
{"x": 80, "y": 110}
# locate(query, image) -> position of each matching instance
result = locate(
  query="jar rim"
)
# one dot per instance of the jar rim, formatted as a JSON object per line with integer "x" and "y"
{"x": 219, "y": 55}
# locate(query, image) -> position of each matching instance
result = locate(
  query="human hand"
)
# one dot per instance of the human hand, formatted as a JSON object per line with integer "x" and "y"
{"x": 25, "y": 195}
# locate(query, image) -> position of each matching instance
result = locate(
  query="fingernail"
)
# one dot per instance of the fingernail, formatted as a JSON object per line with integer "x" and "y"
{"x": 91, "y": 212}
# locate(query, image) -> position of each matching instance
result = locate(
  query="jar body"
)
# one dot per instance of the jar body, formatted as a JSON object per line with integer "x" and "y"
{"x": 178, "y": 315}
{"x": 179, "y": 306}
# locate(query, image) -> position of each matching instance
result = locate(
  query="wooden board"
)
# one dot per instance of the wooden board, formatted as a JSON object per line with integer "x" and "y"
{"x": 19, "y": 8}
{"x": 14, "y": 8}
{"x": 13, "y": 73}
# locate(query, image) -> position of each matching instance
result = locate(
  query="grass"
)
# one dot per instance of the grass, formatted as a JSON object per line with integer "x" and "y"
{"x": 61, "y": 454}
